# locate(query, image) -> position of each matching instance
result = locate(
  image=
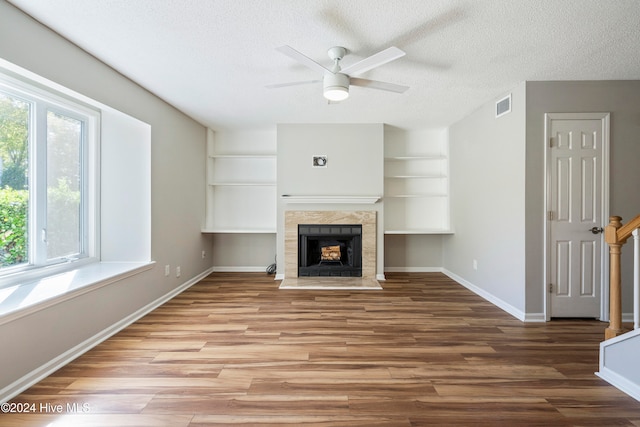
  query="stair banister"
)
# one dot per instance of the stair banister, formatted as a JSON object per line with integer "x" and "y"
{"x": 636, "y": 279}
{"x": 616, "y": 235}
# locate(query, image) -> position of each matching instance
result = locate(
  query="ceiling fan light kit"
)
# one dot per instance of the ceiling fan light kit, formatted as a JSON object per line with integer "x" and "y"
{"x": 336, "y": 87}
{"x": 336, "y": 81}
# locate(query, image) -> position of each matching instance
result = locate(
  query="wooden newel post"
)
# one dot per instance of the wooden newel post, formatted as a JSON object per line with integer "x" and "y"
{"x": 615, "y": 282}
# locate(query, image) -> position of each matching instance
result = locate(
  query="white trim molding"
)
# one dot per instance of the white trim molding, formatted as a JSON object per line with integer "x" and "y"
{"x": 618, "y": 362}
{"x": 365, "y": 200}
{"x": 487, "y": 296}
{"x": 604, "y": 118}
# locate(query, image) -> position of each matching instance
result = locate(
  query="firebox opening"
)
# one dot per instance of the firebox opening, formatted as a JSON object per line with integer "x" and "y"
{"x": 330, "y": 250}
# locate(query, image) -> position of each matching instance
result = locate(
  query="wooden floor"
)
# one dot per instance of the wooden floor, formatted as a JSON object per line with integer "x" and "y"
{"x": 236, "y": 350}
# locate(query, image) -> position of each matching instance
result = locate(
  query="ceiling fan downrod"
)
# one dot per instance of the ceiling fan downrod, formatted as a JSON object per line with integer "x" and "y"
{"x": 336, "y": 54}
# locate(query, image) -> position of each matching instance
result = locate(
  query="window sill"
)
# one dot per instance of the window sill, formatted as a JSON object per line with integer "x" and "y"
{"x": 25, "y": 298}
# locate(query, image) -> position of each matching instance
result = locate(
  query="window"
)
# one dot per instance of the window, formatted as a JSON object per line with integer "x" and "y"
{"x": 86, "y": 193}
{"x": 47, "y": 202}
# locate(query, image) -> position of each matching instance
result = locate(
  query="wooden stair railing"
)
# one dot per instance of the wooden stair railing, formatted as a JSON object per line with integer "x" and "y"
{"x": 616, "y": 235}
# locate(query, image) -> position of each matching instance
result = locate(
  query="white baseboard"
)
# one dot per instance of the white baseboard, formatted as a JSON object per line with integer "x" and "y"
{"x": 239, "y": 269}
{"x": 413, "y": 269}
{"x": 620, "y": 382}
{"x": 535, "y": 317}
{"x": 58, "y": 362}
{"x": 489, "y": 297}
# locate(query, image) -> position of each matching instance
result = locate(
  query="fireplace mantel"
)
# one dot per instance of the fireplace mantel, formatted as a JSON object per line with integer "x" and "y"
{"x": 365, "y": 200}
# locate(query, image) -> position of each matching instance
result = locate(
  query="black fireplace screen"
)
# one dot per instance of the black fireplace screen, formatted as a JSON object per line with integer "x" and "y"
{"x": 330, "y": 250}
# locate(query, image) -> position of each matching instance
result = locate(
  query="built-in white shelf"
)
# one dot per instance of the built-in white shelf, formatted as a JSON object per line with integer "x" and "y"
{"x": 241, "y": 190}
{"x": 243, "y": 184}
{"x": 416, "y": 176}
{"x": 241, "y": 156}
{"x": 416, "y": 184}
{"x": 238, "y": 231}
{"x": 415, "y": 196}
{"x": 420, "y": 231}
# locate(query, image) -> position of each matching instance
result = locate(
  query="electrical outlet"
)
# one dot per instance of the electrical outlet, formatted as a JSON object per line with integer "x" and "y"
{"x": 475, "y": 264}
{"x": 204, "y": 254}
{"x": 178, "y": 271}
{"x": 167, "y": 270}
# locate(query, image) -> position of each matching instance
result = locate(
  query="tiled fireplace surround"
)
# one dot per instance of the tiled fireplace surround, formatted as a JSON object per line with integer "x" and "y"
{"x": 369, "y": 236}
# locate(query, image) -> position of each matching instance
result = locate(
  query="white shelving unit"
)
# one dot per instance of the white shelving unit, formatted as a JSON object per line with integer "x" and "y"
{"x": 416, "y": 193}
{"x": 241, "y": 186}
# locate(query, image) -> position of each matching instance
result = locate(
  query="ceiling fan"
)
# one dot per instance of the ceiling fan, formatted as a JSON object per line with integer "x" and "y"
{"x": 336, "y": 81}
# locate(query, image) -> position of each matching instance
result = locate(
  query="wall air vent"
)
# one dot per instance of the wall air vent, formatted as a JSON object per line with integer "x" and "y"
{"x": 503, "y": 106}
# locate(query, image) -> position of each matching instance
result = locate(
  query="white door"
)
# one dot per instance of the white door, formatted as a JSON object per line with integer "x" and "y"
{"x": 577, "y": 151}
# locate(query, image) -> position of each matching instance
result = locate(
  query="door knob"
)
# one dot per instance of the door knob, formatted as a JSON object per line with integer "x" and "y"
{"x": 596, "y": 230}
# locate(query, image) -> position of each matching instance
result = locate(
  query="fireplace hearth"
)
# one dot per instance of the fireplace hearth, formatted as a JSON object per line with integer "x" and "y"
{"x": 329, "y": 250}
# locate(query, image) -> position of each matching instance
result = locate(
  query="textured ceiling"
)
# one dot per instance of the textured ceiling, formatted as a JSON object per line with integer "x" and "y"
{"x": 213, "y": 58}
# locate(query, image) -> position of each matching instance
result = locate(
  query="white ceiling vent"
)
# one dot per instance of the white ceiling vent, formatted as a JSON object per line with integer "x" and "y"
{"x": 503, "y": 106}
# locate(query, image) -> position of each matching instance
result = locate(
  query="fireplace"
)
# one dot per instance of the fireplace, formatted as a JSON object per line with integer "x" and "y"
{"x": 336, "y": 218}
{"x": 333, "y": 250}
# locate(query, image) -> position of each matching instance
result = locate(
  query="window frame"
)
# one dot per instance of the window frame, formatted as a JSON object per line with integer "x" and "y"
{"x": 44, "y": 100}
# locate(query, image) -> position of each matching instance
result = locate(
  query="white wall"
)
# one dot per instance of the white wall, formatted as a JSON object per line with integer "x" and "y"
{"x": 487, "y": 161}
{"x": 412, "y": 252}
{"x": 177, "y": 199}
{"x": 355, "y": 168}
{"x": 355, "y": 153}
{"x": 252, "y": 252}
{"x": 497, "y": 168}
{"x": 125, "y": 180}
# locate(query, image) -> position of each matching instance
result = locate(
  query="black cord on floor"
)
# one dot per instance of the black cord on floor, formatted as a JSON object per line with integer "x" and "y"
{"x": 272, "y": 268}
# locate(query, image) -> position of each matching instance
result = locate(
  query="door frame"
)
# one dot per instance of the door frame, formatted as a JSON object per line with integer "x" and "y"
{"x": 604, "y": 261}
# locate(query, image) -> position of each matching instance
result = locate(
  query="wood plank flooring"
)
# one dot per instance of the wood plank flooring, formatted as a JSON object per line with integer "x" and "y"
{"x": 424, "y": 351}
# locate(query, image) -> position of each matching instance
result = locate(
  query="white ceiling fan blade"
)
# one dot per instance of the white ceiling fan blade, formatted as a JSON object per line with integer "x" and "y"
{"x": 374, "y": 61}
{"x": 374, "y": 84}
{"x": 305, "y": 60}
{"x": 278, "y": 85}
